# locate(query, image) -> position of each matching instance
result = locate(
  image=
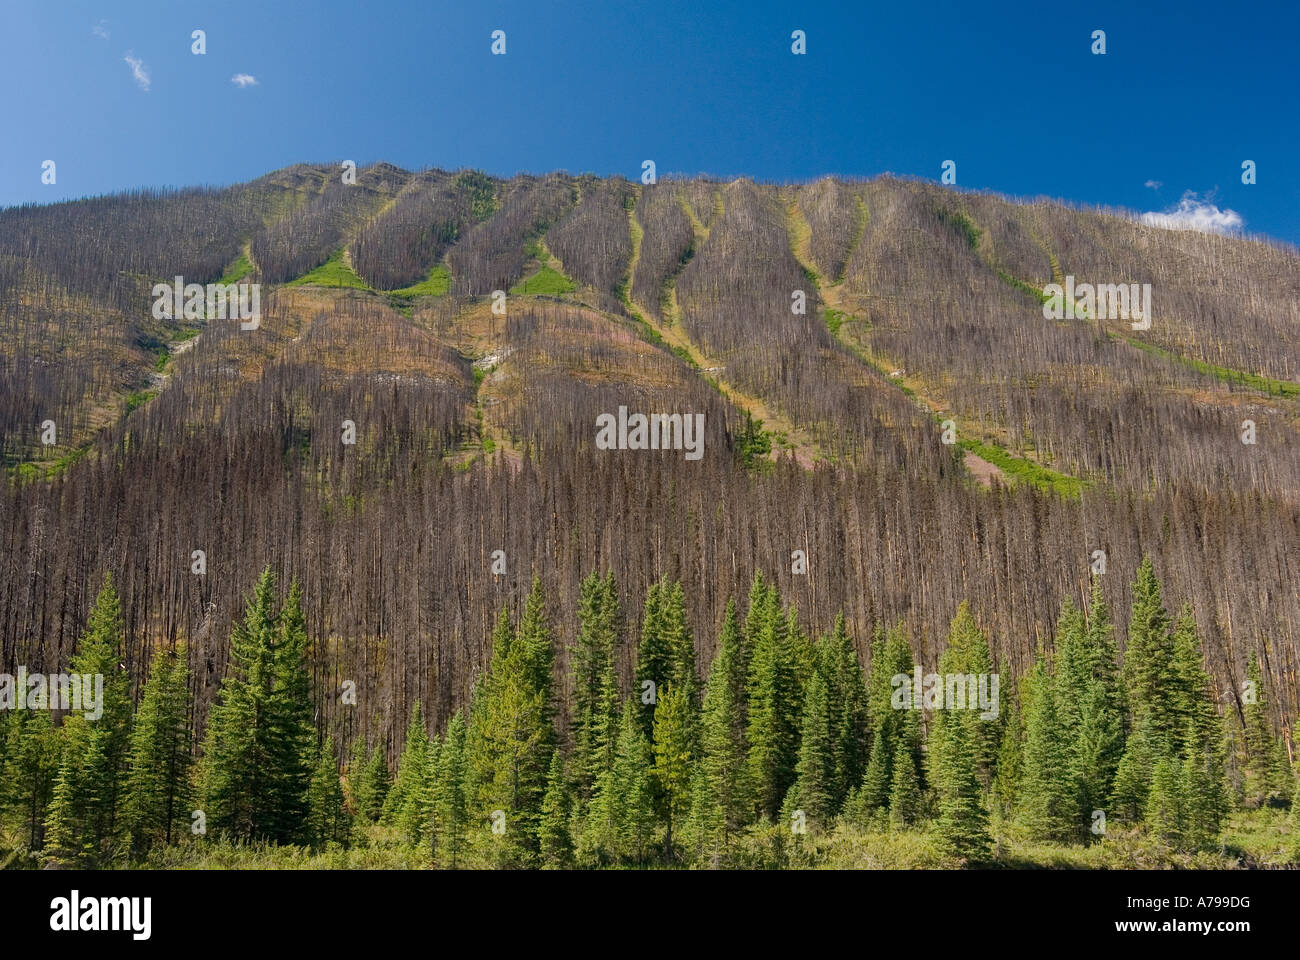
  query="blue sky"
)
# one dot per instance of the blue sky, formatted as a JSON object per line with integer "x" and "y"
{"x": 1011, "y": 92}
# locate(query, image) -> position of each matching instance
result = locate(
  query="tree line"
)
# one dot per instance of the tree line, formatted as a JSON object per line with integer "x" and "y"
{"x": 781, "y": 740}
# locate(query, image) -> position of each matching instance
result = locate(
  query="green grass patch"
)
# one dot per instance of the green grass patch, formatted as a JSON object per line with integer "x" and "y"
{"x": 834, "y": 320}
{"x": 332, "y": 273}
{"x": 435, "y": 285}
{"x": 963, "y": 224}
{"x": 139, "y": 399}
{"x": 1276, "y": 388}
{"x": 685, "y": 356}
{"x": 545, "y": 281}
{"x": 1019, "y": 284}
{"x": 237, "y": 271}
{"x": 1026, "y": 470}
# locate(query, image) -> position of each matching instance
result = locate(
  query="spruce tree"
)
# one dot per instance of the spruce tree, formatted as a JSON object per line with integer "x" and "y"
{"x": 1166, "y": 801}
{"x": 878, "y": 777}
{"x": 773, "y": 726}
{"x": 592, "y": 661}
{"x": 1259, "y": 740}
{"x": 847, "y": 701}
{"x": 1149, "y": 659}
{"x": 513, "y": 735}
{"x": 674, "y": 758}
{"x": 402, "y": 805}
{"x": 257, "y": 755}
{"x": 84, "y": 819}
{"x": 291, "y": 729}
{"x": 158, "y": 784}
{"x": 451, "y": 797}
{"x": 621, "y": 813}
{"x": 1048, "y": 803}
{"x": 962, "y": 827}
{"x": 554, "y": 840}
{"x": 904, "y": 791}
{"x": 370, "y": 782}
{"x": 32, "y": 761}
{"x": 722, "y": 798}
{"x": 327, "y": 820}
{"x": 654, "y": 657}
{"x": 813, "y": 792}
{"x": 961, "y": 749}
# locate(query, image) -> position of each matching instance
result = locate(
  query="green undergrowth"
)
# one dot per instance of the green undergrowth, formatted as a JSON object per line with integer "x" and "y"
{"x": 334, "y": 272}
{"x": 1276, "y": 388}
{"x": 545, "y": 282}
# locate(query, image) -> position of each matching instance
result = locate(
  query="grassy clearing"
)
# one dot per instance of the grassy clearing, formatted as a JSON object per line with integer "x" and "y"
{"x": 1258, "y": 839}
{"x": 1275, "y": 388}
{"x": 545, "y": 282}
{"x": 435, "y": 285}
{"x": 334, "y": 272}
{"x": 1026, "y": 471}
{"x": 238, "y": 270}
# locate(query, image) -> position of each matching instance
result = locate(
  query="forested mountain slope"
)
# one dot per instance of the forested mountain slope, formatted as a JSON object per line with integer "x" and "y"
{"x": 476, "y": 431}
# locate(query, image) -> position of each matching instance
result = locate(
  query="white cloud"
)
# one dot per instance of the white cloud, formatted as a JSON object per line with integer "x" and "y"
{"x": 244, "y": 80}
{"x": 1153, "y": 184}
{"x": 139, "y": 71}
{"x": 1193, "y": 213}
{"x": 100, "y": 30}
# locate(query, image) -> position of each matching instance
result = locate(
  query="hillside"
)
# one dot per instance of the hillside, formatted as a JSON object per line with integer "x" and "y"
{"x": 824, "y": 431}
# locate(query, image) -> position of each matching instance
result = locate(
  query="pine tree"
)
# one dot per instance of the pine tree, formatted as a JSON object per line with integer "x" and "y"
{"x": 328, "y": 822}
{"x": 1149, "y": 659}
{"x": 674, "y": 759}
{"x": 592, "y": 662}
{"x": 291, "y": 743}
{"x": 962, "y": 828}
{"x": 621, "y": 813}
{"x": 813, "y": 791}
{"x": 158, "y": 784}
{"x": 451, "y": 798}
{"x": 84, "y": 820}
{"x": 847, "y": 700}
{"x": 512, "y": 734}
{"x": 654, "y": 657}
{"x": 32, "y": 761}
{"x": 1048, "y": 804}
{"x": 773, "y": 727}
{"x": 1165, "y": 808}
{"x": 904, "y": 791}
{"x": 257, "y": 755}
{"x": 721, "y": 798}
{"x": 402, "y": 805}
{"x": 371, "y": 782}
{"x": 555, "y": 843}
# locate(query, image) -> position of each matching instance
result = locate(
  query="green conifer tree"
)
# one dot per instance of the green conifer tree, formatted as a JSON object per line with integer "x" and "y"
{"x": 328, "y": 821}
{"x": 813, "y": 791}
{"x": 905, "y": 791}
{"x": 554, "y": 840}
{"x": 158, "y": 784}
